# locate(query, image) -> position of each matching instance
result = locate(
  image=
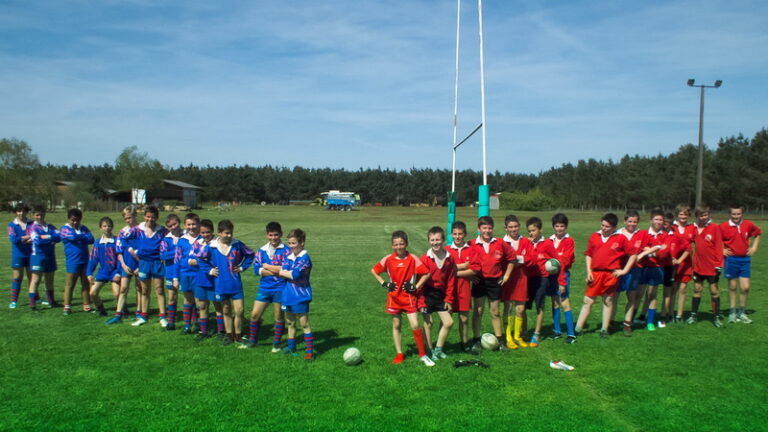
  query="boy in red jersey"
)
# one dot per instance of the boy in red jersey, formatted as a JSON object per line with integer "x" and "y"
{"x": 606, "y": 250}
{"x": 679, "y": 251}
{"x": 630, "y": 283}
{"x": 707, "y": 262}
{"x": 437, "y": 295}
{"x": 515, "y": 291}
{"x": 737, "y": 232}
{"x": 403, "y": 269}
{"x": 493, "y": 264}
{"x": 462, "y": 298}
{"x": 543, "y": 250}
{"x": 652, "y": 260}
{"x": 566, "y": 254}
{"x": 685, "y": 233}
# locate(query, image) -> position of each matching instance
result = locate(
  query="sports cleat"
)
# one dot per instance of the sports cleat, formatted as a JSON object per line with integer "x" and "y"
{"x": 201, "y": 337}
{"x": 650, "y": 327}
{"x": 512, "y": 345}
{"x": 308, "y": 357}
{"x": 247, "y": 345}
{"x": 170, "y": 327}
{"x": 604, "y": 334}
{"x": 534, "y": 341}
{"x": 521, "y": 343}
{"x": 275, "y": 348}
{"x": 67, "y": 312}
{"x": 45, "y": 303}
{"x": 221, "y": 335}
{"x": 103, "y": 313}
{"x": 627, "y": 331}
{"x": 692, "y": 319}
{"x": 398, "y": 358}
{"x": 570, "y": 340}
{"x": 556, "y": 336}
{"x": 743, "y": 318}
{"x": 227, "y": 341}
{"x": 678, "y": 320}
{"x": 502, "y": 347}
{"x": 733, "y": 318}
{"x": 290, "y": 351}
{"x": 140, "y": 321}
{"x": 662, "y": 324}
{"x": 476, "y": 348}
{"x": 163, "y": 322}
{"x": 639, "y": 320}
{"x": 12, "y": 305}
{"x": 186, "y": 330}
{"x": 717, "y": 323}
{"x": 114, "y": 320}
{"x": 426, "y": 360}
{"x": 438, "y": 354}
{"x": 557, "y": 364}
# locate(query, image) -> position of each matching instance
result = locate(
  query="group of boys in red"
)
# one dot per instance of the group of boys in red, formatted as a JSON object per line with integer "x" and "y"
{"x": 513, "y": 273}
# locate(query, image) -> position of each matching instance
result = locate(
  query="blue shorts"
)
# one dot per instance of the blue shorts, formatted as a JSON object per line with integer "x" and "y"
{"x": 738, "y": 267}
{"x": 205, "y": 293}
{"x": 154, "y": 269}
{"x": 106, "y": 276}
{"x": 270, "y": 296}
{"x": 19, "y": 262}
{"x": 555, "y": 286}
{"x": 75, "y": 268}
{"x": 652, "y": 276}
{"x": 300, "y": 308}
{"x": 42, "y": 264}
{"x": 229, "y": 296}
{"x": 631, "y": 280}
{"x": 170, "y": 270}
{"x": 187, "y": 284}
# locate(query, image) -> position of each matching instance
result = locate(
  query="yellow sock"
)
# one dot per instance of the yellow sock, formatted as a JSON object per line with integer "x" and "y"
{"x": 509, "y": 328}
{"x": 518, "y": 330}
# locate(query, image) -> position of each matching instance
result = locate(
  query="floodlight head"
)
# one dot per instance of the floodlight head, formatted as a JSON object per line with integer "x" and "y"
{"x": 718, "y": 83}
{"x": 691, "y": 81}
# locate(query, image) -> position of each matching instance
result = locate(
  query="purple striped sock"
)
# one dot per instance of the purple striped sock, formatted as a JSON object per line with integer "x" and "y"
{"x": 171, "y": 313}
{"x": 279, "y": 328}
{"x": 204, "y": 326}
{"x": 253, "y": 331}
{"x": 187, "y": 314}
{"x": 309, "y": 343}
{"x": 15, "y": 288}
{"x": 33, "y": 300}
{"x": 220, "y": 323}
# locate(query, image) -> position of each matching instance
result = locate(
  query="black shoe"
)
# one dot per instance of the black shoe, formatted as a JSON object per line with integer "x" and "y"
{"x": 556, "y": 336}
{"x": 226, "y": 341}
{"x": 201, "y": 337}
{"x": 170, "y": 327}
{"x": 604, "y": 334}
{"x": 67, "y": 312}
{"x": 570, "y": 339}
{"x": 186, "y": 330}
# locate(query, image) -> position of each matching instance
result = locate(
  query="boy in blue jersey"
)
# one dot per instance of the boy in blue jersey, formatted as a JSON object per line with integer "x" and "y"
{"x": 184, "y": 279}
{"x": 148, "y": 247}
{"x": 274, "y": 253}
{"x": 104, "y": 256}
{"x": 204, "y": 282}
{"x": 42, "y": 260}
{"x": 21, "y": 248}
{"x": 168, "y": 255}
{"x": 297, "y": 293}
{"x": 76, "y": 238}
{"x": 127, "y": 266}
{"x": 224, "y": 259}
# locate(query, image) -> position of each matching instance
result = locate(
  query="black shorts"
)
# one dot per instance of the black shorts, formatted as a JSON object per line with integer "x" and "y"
{"x": 710, "y": 279}
{"x": 487, "y": 287}
{"x": 537, "y": 291}
{"x": 434, "y": 300}
{"x": 669, "y": 275}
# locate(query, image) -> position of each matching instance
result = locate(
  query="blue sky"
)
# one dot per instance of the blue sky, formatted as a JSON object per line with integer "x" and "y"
{"x": 351, "y": 84}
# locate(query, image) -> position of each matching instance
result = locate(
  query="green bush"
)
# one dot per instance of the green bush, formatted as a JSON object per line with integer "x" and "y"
{"x": 533, "y": 200}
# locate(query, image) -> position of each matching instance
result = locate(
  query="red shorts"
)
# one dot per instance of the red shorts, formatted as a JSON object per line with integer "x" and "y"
{"x": 604, "y": 283}
{"x": 684, "y": 272}
{"x": 516, "y": 288}
{"x": 401, "y": 302}
{"x": 462, "y": 298}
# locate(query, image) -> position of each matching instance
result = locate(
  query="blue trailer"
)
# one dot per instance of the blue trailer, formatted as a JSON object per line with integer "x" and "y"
{"x": 336, "y": 200}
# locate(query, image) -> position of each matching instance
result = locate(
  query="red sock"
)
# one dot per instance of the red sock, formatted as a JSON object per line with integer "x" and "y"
{"x": 418, "y": 336}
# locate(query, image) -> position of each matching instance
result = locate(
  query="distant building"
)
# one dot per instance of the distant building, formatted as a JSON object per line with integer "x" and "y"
{"x": 493, "y": 203}
{"x": 174, "y": 190}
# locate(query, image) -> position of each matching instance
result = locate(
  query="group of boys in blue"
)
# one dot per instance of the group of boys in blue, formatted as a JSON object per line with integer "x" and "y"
{"x": 208, "y": 267}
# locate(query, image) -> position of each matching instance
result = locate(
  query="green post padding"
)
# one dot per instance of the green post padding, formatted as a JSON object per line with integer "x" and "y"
{"x": 483, "y": 201}
{"x": 451, "y": 215}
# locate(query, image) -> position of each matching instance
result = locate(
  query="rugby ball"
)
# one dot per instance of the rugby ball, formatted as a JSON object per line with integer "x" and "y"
{"x": 352, "y": 356}
{"x": 489, "y": 342}
{"x": 552, "y": 266}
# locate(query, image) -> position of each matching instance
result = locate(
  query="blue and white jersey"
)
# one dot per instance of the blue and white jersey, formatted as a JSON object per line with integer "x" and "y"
{"x": 202, "y": 278}
{"x": 76, "y": 241}
{"x": 147, "y": 246}
{"x": 274, "y": 256}
{"x": 16, "y": 230}
{"x": 104, "y": 256}
{"x": 227, "y": 259}
{"x": 44, "y": 238}
{"x": 181, "y": 258}
{"x": 298, "y": 290}
{"x": 124, "y": 244}
{"x": 168, "y": 254}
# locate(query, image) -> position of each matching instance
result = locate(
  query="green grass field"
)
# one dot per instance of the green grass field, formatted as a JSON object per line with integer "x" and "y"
{"x": 75, "y": 373}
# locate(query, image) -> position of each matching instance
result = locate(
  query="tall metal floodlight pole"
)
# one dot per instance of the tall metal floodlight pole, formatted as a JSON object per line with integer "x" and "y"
{"x": 483, "y": 191}
{"x": 700, "y": 169}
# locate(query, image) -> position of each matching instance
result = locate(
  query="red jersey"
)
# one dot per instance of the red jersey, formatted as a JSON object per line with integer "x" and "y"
{"x": 544, "y": 251}
{"x": 608, "y": 253}
{"x": 442, "y": 274}
{"x": 518, "y": 281}
{"x": 660, "y": 257}
{"x": 401, "y": 270}
{"x": 672, "y": 245}
{"x": 708, "y": 245}
{"x": 684, "y": 234}
{"x": 637, "y": 241}
{"x": 490, "y": 259}
{"x": 463, "y": 292}
{"x": 566, "y": 254}
{"x": 736, "y": 237}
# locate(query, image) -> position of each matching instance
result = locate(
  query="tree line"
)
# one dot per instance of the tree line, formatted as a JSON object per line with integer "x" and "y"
{"x": 736, "y": 171}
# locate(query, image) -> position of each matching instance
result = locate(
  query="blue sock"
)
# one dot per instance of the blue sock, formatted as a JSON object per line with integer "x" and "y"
{"x": 569, "y": 323}
{"x": 556, "y": 327}
{"x": 292, "y": 344}
{"x": 651, "y": 315}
